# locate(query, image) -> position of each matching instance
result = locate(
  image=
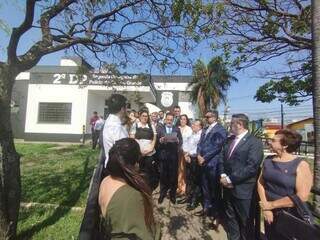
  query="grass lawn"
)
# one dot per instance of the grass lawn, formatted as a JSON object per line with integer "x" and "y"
{"x": 59, "y": 175}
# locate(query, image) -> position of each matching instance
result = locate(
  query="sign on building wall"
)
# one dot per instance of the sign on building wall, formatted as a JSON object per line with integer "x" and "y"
{"x": 88, "y": 79}
{"x": 166, "y": 100}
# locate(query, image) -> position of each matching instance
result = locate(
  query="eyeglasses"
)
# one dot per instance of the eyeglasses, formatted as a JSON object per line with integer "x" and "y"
{"x": 144, "y": 115}
{"x": 207, "y": 117}
{"x": 273, "y": 140}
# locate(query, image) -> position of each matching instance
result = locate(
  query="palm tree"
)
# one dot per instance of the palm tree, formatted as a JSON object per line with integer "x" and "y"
{"x": 316, "y": 96}
{"x": 210, "y": 83}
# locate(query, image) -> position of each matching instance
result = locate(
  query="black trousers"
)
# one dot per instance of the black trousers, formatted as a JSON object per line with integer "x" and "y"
{"x": 238, "y": 218}
{"x": 95, "y": 137}
{"x": 168, "y": 160}
{"x": 193, "y": 181}
{"x": 149, "y": 167}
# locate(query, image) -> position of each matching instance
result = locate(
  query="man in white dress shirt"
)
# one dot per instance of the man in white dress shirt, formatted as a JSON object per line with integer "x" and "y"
{"x": 193, "y": 170}
{"x": 97, "y": 129}
{"x": 113, "y": 128}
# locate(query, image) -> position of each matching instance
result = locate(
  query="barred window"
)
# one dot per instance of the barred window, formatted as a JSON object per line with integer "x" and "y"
{"x": 54, "y": 112}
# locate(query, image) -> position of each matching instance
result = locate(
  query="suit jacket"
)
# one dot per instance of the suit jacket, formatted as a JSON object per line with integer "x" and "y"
{"x": 243, "y": 165}
{"x": 161, "y": 132}
{"x": 176, "y": 121}
{"x": 210, "y": 145}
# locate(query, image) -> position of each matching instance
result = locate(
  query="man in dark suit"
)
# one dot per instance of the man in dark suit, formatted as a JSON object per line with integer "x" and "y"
{"x": 239, "y": 168}
{"x": 176, "y": 116}
{"x": 208, "y": 153}
{"x": 169, "y": 141}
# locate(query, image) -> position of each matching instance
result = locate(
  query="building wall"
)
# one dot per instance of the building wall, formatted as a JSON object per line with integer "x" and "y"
{"x": 40, "y": 85}
{"x": 56, "y": 93}
{"x": 300, "y": 125}
{"x": 305, "y": 128}
{"x": 270, "y": 132}
{"x": 95, "y": 103}
{"x": 18, "y": 112}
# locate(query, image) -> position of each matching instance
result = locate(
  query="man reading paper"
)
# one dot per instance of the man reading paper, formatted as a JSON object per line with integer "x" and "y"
{"x": 169, "y": 141}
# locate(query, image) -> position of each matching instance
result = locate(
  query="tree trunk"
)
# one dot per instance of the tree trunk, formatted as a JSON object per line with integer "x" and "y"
{"x": 201, "y": 102}
{"x": 316, "y": 95}
{"x": 10, "y": 185}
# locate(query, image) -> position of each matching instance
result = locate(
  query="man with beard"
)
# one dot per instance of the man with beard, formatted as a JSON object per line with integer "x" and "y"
{"x": 169, "y": 141}
{"x": 243, "y": 155}
{"x": 209, "y": 153}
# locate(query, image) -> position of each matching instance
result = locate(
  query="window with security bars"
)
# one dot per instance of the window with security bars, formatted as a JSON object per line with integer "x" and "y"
{"x": 54, "y": 112}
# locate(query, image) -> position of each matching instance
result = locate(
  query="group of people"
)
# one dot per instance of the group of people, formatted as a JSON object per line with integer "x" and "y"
{"x": 202, "y": 163}
{"x": 96, "y": 124}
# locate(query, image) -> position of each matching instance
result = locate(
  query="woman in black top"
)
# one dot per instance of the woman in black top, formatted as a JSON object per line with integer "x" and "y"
{"x": 283, "y": 174}
{"x": 145, "y": 134}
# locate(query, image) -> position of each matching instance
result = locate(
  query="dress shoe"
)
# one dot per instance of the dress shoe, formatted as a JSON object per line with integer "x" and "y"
{"x": 191, "y": 207}
{"x": 202, "y": 213}
{"x": 182, "y": 201}
{"x": 160, "y": 199}
{"x": 173, "y": 200}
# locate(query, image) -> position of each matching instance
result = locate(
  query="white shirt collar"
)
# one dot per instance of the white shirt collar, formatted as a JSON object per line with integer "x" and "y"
{"x": 197, "y": 133}
{"x": 114, "y": 119}
{"x": 212, "y": 125}
{"x": 139, "y": 124}
{"x": 240, "y": 136}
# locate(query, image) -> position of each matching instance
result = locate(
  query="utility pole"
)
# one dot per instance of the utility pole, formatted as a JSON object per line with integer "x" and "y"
{"x": 282, "y": 117}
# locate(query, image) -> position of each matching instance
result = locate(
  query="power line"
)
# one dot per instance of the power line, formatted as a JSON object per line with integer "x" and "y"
{"x": 241, "y": 97}
{"x": 274, "y": 108}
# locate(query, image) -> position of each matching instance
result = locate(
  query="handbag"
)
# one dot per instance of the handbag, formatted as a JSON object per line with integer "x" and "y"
{"x": 297, "y": 224}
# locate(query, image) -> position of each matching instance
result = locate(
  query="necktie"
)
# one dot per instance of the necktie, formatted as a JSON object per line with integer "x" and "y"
{"x": 231, "y": 147}
{"x": 207, "y": 131}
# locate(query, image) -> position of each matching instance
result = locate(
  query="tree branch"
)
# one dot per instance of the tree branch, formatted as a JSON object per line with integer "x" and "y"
{"x": 19, "y": 31}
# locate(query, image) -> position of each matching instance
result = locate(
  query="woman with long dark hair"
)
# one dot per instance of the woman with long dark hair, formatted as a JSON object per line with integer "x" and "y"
{"x": 125, "y": 198}
{"x": 145, "y": 134}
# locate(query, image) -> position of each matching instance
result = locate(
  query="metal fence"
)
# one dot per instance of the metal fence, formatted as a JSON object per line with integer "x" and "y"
{"x": 305, "y": 148}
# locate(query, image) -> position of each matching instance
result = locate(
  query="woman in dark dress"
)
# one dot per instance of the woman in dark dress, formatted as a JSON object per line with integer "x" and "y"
{"x": 283, "y": 174}
{"x": 145, "y": 134}
{"x": 125, "y": 198}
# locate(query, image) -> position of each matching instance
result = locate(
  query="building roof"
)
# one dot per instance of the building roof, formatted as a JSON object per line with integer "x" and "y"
{"x": 171, "y": 78}
{"x": 302, "y": 120}
{"x": 272, "y": 126}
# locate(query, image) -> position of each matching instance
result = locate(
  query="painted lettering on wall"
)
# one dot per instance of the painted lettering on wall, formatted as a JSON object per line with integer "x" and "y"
{"x": 96, "y": 79}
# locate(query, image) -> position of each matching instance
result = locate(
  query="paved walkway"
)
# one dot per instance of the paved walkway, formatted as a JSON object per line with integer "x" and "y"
{"x": 177, "y": 223}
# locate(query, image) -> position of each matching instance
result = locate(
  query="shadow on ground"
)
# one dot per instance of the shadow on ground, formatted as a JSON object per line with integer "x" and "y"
{"x": 177, "y": 223}
{"x": 65, "y": 205}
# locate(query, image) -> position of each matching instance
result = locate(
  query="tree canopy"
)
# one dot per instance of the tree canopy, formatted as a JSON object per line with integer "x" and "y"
{"x": 109, "y": 31}
{"x": 210, "y": 83}
{"x": 139, "y": 32}
{"x": 256, "y": 31}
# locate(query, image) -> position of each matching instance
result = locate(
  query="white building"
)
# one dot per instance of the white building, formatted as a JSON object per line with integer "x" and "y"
{"x": 55, "y": 103}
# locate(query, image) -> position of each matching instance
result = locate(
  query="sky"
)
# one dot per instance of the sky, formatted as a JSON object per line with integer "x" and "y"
{"x": 240, "y": 94}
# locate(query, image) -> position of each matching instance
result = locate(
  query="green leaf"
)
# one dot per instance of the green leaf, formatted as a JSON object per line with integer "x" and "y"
{"x": 5, "y": 27}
